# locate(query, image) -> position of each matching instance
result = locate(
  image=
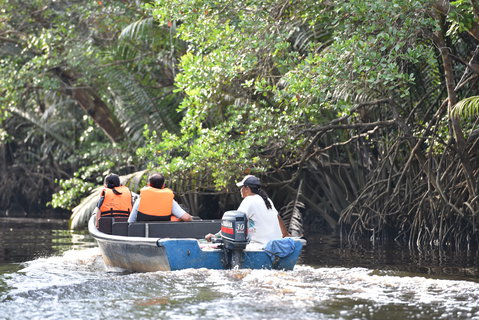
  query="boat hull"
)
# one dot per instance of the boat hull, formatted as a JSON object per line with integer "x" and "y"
{"x": 186, "y": 253}
{"x": 134, "y": 257}
{"x": 130, "y": 253}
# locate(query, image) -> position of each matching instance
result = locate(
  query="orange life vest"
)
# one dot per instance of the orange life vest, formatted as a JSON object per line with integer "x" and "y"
{"x": 155, "y": 204}
{"x": 116, "y": 205}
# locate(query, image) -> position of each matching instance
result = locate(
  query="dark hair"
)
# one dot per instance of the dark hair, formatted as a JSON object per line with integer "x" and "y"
{"x": 262, "y": 194}
{"x": 156, "y": 180}
{"x": 112, "y": 181}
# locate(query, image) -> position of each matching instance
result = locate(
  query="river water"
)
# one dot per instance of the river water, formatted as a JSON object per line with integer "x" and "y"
{"x": 49, "y": 272}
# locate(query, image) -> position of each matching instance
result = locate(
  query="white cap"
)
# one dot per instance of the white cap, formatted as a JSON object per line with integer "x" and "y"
{"x": 249, "y": 180}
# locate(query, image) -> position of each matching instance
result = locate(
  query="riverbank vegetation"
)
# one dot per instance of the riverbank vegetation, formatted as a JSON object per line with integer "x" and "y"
{"x": 361, "y": 116}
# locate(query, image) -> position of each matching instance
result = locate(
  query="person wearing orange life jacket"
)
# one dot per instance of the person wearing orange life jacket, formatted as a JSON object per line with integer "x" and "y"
{"x": 115, "y": 199}
{"x": 156, "y": 203}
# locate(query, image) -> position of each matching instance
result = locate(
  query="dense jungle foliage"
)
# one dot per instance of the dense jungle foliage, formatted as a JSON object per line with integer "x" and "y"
{"x": 360, "y": 116}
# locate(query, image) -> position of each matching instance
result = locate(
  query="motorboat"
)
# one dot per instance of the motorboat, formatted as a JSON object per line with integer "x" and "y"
{"x": 167, "y": 246}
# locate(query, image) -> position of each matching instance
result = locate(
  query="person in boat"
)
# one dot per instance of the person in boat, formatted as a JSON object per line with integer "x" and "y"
{"x": 116, "y": 200}
{"x": 157, "y": 203}
{"x": 264, "y": 223}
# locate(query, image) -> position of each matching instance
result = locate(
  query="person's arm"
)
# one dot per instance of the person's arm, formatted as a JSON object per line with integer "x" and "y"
{"x": 97, "y": 209}
{"x": 245, "y": 206}
{"x": 282, "y": 226}
{"x": 98, "y": 215}
{"x": 134, "y": 197}
{"x": 186, "y": 217}
{"x": 178, "y": 212}
{"x": 210, "y": 236}
{"x": 134, "y": 211}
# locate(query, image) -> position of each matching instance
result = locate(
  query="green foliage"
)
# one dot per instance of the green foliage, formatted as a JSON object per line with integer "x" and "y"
{"x": 461, "y": 16}
{"x": 229, "y": 78}
{"x": 73, "y": 190}
{"x": 258, "y": 72}
{"x": 42, "y": 122}
{"x": 208, "y": 90}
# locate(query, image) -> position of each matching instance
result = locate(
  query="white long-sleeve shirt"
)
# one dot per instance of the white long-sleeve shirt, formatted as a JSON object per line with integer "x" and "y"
{"x": 176, "y": 210}
{"x": 263, "y": 224}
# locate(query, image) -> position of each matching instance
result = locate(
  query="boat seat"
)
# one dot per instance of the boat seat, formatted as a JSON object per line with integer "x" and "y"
{"x": 119, "y": 228}
{"x": 105, "y": 224}
{"x": 196, "y": 229}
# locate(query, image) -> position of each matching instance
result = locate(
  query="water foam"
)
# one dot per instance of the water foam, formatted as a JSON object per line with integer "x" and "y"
{"x": 78, "y": 280}
{"x": 72, "y": 267}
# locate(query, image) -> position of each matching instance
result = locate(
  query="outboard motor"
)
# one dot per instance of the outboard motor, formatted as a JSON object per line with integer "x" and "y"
{"x": 234, "y": 233}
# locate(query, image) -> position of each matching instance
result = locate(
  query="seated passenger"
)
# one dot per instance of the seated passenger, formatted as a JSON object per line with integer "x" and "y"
{"x": 115, "y": 199}
{"x": 156, "y": 203}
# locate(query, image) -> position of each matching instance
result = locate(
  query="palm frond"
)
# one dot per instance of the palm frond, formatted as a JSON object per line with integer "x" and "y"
{"x": 139, "y": 29}
{"x": 292, "y": 215}
{"x": 142, "y": 85}
{"x": 135, "y": 180}
{"x": 43, "y": 125}
{"x": 82, "y": 212}
{"x": 144, "y": 32}
{"x": 303, "y": 37}
{"x": 137, "y": 105}
{"x": 466, "y": 108}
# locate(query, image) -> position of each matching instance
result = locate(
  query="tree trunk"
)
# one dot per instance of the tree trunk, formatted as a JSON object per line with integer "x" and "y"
{"x": 93, "y": 105}
{"x": 440, "y": 42}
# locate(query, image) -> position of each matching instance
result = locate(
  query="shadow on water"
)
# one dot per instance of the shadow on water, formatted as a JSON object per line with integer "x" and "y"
{"x": 24, "y": 239}
{"x": 327, "y": 251}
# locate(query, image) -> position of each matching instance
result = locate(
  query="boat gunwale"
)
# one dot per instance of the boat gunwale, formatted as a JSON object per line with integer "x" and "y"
{"x": 98, "y": 235}
{"x": 155, "y": 241}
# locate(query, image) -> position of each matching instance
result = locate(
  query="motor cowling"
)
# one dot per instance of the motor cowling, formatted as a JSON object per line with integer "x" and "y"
{"x": 234, "y": 230}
